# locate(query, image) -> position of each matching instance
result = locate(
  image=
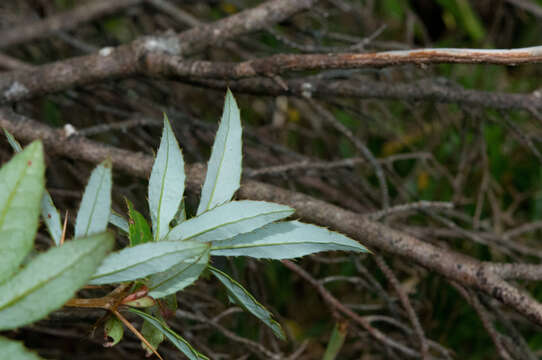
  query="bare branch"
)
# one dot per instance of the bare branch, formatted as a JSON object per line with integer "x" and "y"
{"x": 337, "y": 305}
{"x": 472, "y": 299}
{"x": 418, "y": 205}
{"x": 130, "y": 60}
{"x": 360, "y": 146}
{"x": 284, "y": 63}
{"x": 63, "y": 21}
{"x": 423, "y": 90}
{"x": 418, "y": 330}
{"x": 464, "y": 269}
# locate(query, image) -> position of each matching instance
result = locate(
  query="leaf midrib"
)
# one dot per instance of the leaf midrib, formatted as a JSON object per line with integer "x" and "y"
{"x": 141, "y": 262}
{"x": 234, "y": 222}
{"x": 11, "y": 196}
{"x": 183, "y": 270}
{"x": 211, "y": 196}
{"x": 93, "y": 208}
{"x": 51, "y": 278}
{"x": 162, "y": 187}
{"x": 242, "y": 246}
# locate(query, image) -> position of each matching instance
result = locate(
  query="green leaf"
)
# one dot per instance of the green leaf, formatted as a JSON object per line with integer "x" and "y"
{"x": 50, "y": 280}
{"x": 470, "y": 20}
{"x": 463, "y": 12}
{"x": 118, "y": 221}
{"x": 142, "y": 302}
{"x": 113, "y": 329}
{"x": 336, "y": 341}
{"x": 178, "y": 277}
{"x": 153, "y": 335}
{"x": 22, "y": 183}
{"x": 95, "y": 208}
{"x": 49, "y": 212}
{"x": 224, "y": 168}
{"x": 247, "y": 301}
{"x": 285, "y": 240}
{"x": 51, "y": 217}
{"x": 166, "y": 184}
{"x": 169, "y": 303}
{"x": 139, "y": 230}
{"x": 230, "y": 219}
{"x": 146, "y": 259}
{"x": 172, "y": 336}
{"x": 15, "y": 350}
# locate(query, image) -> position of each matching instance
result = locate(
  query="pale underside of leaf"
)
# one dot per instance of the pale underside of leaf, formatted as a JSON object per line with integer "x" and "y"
{"x": 166, "y": 183}
{"x": 142, "y": 260}
{"x": 248, "y": 302}
{"x": 51, "y": 218}
{"x": 175, "y": 339}
{"x": 95, "y": 208}
{"x": 118, "y": 221}
{"x": 223, "y": 176}
{"x": 178, "y": 276}
{"x": 10, "y": 349}
{"x": 21, "y": 184}
{"x": 230, "y": 219}
{"x": 50, "y": 280}
{"x": 285, "y": 240}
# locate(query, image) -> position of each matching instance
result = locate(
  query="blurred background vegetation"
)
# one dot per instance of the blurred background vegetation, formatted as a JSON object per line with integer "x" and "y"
{"x": 484, "y": 161}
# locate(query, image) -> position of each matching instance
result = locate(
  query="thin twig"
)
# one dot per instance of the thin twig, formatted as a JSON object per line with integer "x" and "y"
{"x": 336, "y": 304}
{"x": 362, "y": 148}
{"x": 63, "y": 21}
{"x": 255, "y": 346}
{"x": 136, "y": 333}
{"x": 418, "y": 205}
{"x": 472, "y": 299}
{"x": 418, "y": 330}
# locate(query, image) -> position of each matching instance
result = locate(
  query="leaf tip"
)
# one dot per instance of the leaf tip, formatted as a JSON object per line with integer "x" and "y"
{"x": 107, "y": 163}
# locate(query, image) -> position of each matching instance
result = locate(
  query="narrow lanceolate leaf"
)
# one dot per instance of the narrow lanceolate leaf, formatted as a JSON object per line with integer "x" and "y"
{"x": 230, "y": 219}
{"x": 178, "y": 277}
{"x": 95, "y": 207}
{"x": 49, "y": 212}
{"x": 10, "y": 349}
{"x": 50, "y": 280}
{"x": 172, "y": 336}
{"x": 21, "y": 189}
{"x": 336, "y": 341}
{"x": 51, "y": 218}
{"x": 166, "y": 184}
{"x": 247, "y": 301}
{"x": 12, "y": 142}
{"x": 139, "y": 230}
{"x": 285, "y": 240}
{"x": 224, "y": 168}
{"x": 118, "y": 221}
{"x": 145, "y": 259}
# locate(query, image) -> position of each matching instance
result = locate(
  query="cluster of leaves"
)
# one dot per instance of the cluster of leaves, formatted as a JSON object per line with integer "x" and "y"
{"x": 47, "y": 280}
{"x": 172, "y": 252}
